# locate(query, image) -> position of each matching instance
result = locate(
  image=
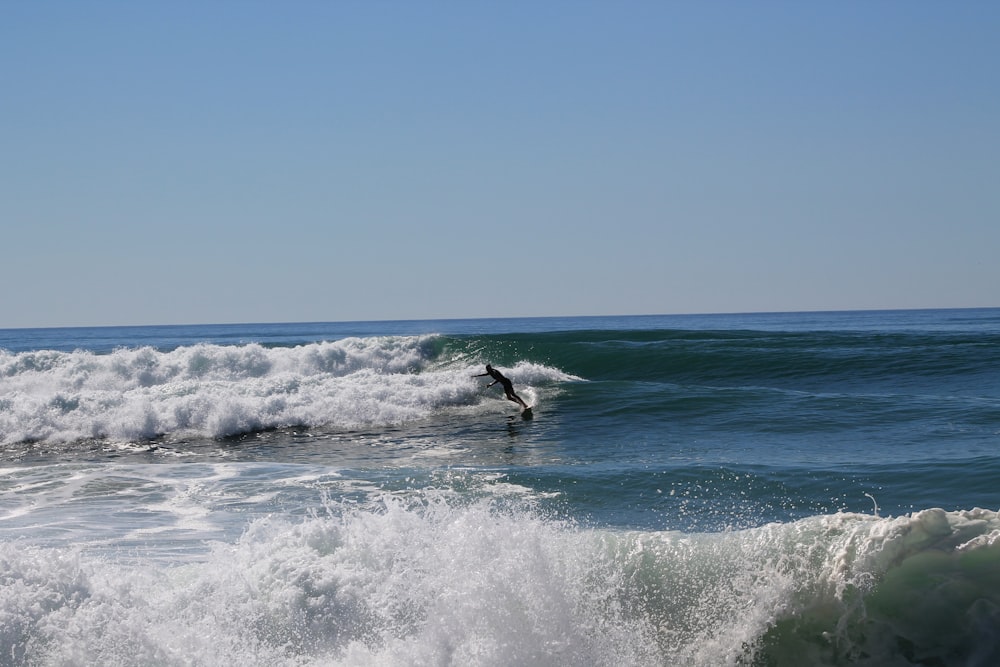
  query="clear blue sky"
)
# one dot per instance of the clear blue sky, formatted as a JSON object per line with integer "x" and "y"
{"x": 201, "y": 162}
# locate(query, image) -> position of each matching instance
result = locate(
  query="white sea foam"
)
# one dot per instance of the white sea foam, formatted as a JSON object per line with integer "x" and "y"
{"x": 211, "y": 390}
{"x": 431, "y": 579}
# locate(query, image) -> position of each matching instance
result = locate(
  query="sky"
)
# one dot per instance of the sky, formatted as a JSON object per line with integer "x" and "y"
{"x": 212, "y": 162}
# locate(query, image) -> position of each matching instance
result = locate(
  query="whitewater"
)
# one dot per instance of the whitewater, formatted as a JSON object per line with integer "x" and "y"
{"x": 214, "y": 391}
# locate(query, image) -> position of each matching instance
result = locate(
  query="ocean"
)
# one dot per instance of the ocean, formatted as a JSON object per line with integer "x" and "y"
{"x": 764, "y": 489}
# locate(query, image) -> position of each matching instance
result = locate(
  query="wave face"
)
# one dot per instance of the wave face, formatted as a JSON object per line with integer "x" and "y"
{"x": 824, "y": 360}
{"x": 435, "y": 581}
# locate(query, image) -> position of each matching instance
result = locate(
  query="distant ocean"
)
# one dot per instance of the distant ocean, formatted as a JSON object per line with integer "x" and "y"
{"x": 769, "y": 489}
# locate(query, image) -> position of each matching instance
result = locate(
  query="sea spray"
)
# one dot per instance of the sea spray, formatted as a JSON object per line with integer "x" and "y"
{"x": 430, "y": 578}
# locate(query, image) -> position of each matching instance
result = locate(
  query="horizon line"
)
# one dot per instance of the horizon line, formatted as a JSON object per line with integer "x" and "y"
{"x": 498, "y": 317}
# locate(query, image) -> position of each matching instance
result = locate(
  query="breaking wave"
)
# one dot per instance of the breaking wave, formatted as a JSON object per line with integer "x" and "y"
{"x": 216, "y": 390}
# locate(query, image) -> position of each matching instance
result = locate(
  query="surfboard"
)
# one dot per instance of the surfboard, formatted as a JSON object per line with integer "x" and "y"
{"x": 527, "y": 414}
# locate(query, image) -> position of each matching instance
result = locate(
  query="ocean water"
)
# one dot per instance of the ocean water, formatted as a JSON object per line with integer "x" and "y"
{"x": 773, "y": 489}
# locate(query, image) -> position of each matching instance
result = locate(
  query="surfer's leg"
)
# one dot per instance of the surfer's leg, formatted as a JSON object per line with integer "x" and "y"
{"x": 517, "y": 399}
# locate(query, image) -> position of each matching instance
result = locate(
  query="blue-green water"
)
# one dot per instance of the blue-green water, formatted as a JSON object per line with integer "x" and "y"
{"x": 773, "y": 489}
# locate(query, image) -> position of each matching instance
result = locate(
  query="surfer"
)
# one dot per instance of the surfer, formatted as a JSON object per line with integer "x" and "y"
{"x": 508, "y": 386}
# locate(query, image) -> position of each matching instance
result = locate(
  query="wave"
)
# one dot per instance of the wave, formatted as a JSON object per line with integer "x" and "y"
{"x": 768, "y": 358}
{"x": 434, "y": 580}
{"x": 216, "y": 390}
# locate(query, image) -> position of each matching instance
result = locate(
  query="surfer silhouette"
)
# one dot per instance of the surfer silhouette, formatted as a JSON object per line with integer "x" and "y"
{"x": 508, "y": 386}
